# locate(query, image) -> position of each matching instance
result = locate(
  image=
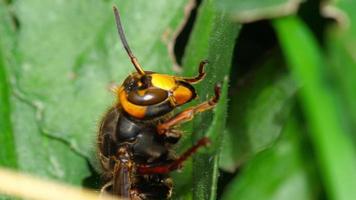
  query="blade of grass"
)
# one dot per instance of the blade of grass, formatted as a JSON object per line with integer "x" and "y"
{"x": 333, "y": 146}
{"x": 213, "y": 38}
{"x": 8, "y": 156}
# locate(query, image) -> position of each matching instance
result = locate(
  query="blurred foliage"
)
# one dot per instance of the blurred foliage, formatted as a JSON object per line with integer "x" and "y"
{"x": 252, "y": 10}
{"x": 257, "y": 113}
{"x": 327, "y": 128}
{"x": 284, "y": 128}
{"x": 291, "y": 179}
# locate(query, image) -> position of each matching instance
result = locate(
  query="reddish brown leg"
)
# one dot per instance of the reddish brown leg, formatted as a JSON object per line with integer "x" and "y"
{"x": 201, "y": 74}
{"x": 188, "y": 114}
{"x": 164, "y": 169}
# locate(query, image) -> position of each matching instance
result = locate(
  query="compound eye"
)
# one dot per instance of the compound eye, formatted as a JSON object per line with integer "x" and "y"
{"x": 147, "y": 97}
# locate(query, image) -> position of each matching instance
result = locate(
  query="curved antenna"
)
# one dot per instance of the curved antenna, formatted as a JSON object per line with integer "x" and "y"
{"x": 124, "y": 42}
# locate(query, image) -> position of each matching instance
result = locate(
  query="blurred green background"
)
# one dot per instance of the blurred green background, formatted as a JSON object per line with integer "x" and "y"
{"x": 285, "y": 127}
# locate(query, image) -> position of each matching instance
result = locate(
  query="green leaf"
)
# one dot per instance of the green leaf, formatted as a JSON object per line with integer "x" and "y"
{"x": 213, "y": 38}
{"x": 341, "y": 42}
{"x": 343, "y": 11}
{"x": 253, "y": 10}
{"x": 41, "y": 155}
{"x": 281, "y": 172}
{"x": 342, "y": 71}
{"x": 334, "y": 148}
{"x": 60, "y": 62}
{"x": 8, "y": 155}
{"x": 24, "y": 144}
{"x": 70, "y": 57}
{"x": 257, "y": 112}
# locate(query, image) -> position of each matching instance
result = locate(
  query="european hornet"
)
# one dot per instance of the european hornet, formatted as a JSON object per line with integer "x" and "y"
{"x": 137, "y": 135}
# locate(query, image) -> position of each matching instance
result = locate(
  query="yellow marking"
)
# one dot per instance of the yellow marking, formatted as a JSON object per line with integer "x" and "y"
{"x": 182, "y": 94}
{"x": 141, "y": 92}
{"x": 163, "y": 81}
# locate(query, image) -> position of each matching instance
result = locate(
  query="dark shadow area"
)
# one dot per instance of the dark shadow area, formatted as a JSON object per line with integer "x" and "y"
{"x": 92, "y": 181}
{"x": 310, "y": 12}
{"x": 183, "y": 37}
{"x": 224, "y": 179}
{"x": 254, "y": 44}
{"x": 255, "y": 41}
{"x": 14, "y": 18}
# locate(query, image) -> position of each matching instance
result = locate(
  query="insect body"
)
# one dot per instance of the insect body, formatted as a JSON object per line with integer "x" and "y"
{"x": 137, "y": 135}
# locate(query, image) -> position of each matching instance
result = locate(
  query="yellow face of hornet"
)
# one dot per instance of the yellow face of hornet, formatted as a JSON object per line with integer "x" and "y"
{"x": 146, "y": 95}
{"x": 149, "y": 95}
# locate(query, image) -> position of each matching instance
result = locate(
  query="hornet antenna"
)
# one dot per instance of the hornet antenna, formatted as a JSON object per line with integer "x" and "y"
{"x": 124, "y": 42}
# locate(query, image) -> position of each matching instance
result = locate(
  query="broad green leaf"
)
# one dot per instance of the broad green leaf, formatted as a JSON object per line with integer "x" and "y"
{"x": 212, "y": 38}
{"x": 257, "y": 113}
{"x": 253, "y": 10}
{"x": 41, "y": 155}
{"x": 70, "y": 54}
{"x": 281, "y": 172}
{"x": 26, "y": 145}
{"x": 60, "y": 62}
{"x": 334, "y": 148}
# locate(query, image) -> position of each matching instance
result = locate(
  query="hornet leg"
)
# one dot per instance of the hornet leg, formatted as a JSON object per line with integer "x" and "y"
{"x": 201, "y": 74}
{"x": 188, "y": 114}
{"x": 176, "y": 164}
